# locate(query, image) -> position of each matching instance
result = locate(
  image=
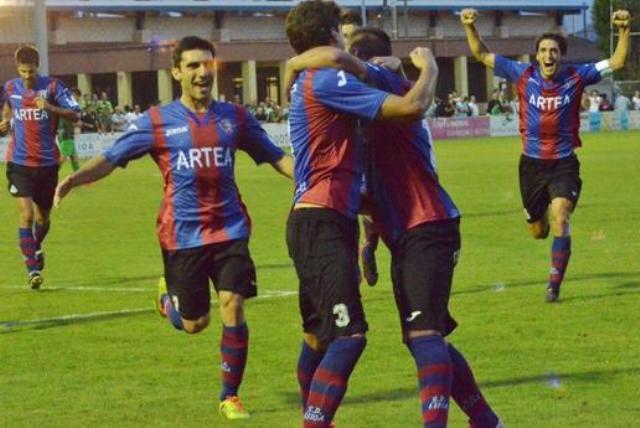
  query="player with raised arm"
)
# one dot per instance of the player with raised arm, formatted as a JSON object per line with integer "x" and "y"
{"x": 419, "y": 223}
{"x": 322, "y": 233}
{"x": 549, "y": 94}
{"x": 203, "y": 226}
{"x": 34, "y": 104}
{"x": 67, "y": 137}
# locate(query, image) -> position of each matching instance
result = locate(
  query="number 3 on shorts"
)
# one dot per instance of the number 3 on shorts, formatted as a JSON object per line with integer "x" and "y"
{"x": 342, "y": 312}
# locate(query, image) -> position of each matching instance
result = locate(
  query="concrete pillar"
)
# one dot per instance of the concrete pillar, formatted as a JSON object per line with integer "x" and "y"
{"x": 461, "y": 75}
{"x": 284, "y": 96}
{"x": 124, "y": 88}
{"x": 249, "y": 83}
{"x": 84, "y": 83}
{"x": 165, "y": 86}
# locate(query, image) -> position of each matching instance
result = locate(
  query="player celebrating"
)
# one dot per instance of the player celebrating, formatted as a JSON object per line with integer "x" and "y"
{"x": 203, "y": 226}
{"x": 419, "y": 224}
{"x": 549, "y": 96}
{"x": 349, "y": 22}
{"x": 322, "y": 233}
{"x": 35, "y": 103}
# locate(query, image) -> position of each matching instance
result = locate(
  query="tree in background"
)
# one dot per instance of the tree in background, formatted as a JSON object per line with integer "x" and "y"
{"x": 601, "y": 17}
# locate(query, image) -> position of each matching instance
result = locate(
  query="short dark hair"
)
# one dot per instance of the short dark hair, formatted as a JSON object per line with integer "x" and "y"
{"x": 76, "y": 92}
{"x": 367, "y": 42}
{"x": 27, "y": 55}
{"x": 556, "y": 37}
{"x": 190, "y": 43}
{"x": 351, "y": 17}
{"x": 309, "y": 24}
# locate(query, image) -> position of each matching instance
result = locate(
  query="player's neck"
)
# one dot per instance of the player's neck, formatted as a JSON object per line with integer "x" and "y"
{"x": 196, "y": 106}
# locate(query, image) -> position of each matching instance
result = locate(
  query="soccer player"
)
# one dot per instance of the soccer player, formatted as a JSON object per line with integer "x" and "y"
{"x": 67, "y": 136}
{"x": 203, "y": 226}
{"x": 322, "y": 234}
{"x": 549, "y": 95}
{"x": 35, "y": 103}
{"x": 349, "y": 22}
{"x": 420, "y": 224}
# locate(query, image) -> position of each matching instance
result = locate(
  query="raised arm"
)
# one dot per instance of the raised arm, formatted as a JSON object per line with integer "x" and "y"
{"x": 324, "y": 56}
{"x": 93, "y": 170}
{"x": 415, "y": 102}
{"x": 476, "y": 44}
{"x": 622, "y": 20}
{"x": 69, "y": 114}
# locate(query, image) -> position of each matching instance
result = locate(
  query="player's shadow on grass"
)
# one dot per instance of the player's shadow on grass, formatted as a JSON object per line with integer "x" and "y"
{"x": 540, "y": 282}
{"x": 547, "y": 379}
{"x": 14, "y": 326}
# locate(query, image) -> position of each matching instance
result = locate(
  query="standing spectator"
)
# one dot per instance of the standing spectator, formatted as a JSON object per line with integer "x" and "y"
{"x": 462, "y": 106}
{"x": 104, "y": 110}
{"x": 605, "y": 105}
{"x": 495, "y": 106}
{"x": 594, "y": 110}
{"x": 622, "y": 106}
{"x": 474, "y": 110}
{"x": 636, "y": 100}
{"x": 118, "y": 120}
{"x": 88, "y": 120}
{"x": 132, "y": 116}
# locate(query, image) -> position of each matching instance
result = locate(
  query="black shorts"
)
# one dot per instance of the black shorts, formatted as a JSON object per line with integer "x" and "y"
{"x": 38, "y": 183}
{"x": 543, "y": 180}
{"x": 324, "y": 247}
{"x": 187, "y": 272}
{"x": 422, "y": 266}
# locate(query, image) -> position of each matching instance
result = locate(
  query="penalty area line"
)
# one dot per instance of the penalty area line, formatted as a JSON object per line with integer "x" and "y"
{"x": 68, "y": 319}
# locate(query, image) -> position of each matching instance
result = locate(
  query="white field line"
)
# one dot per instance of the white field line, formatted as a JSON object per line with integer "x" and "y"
{"x": 9, "y": 325}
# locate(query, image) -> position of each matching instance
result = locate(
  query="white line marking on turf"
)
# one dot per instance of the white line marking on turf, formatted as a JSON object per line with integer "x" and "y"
{"x": 9, "y": 325}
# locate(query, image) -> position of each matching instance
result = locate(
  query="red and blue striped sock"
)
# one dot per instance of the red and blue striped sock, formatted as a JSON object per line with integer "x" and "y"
{"x": 560, "y": 253}
{"x": 330, "y": 380}
{"x": 434, "y": 378}
{"x": 307, "y": 364}
{"x": 171, "y": 312}
{"x": 467, "y": 395}
{"x": 28, "y": 248}
{"x": 234, "y": 347}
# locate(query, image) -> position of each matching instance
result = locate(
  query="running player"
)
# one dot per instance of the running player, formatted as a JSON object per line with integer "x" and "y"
{"x": 549, "y": 95}
{"x": 35, "y": 104}
{"x": 67, "y": 137}
{"x": 420, "y": 224}
{"x": 203, "y": 226}
{"x": 322, "y": 233}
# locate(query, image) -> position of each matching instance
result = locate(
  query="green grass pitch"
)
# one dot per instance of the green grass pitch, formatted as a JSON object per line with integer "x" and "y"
{"x": 88, "y": 350}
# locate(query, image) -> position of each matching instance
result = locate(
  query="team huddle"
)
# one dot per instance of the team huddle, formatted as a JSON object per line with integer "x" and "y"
{"x": 359, "y": 146}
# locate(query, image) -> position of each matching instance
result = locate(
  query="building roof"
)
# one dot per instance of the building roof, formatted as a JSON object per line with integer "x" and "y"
{"x": 566, "y": 6}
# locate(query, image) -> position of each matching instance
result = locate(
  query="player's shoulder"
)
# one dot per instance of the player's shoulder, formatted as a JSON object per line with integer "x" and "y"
{"x": 12, "y": 84}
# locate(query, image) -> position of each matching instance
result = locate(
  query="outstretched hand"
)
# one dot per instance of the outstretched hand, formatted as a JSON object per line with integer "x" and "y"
{"x": 64, "y": 187}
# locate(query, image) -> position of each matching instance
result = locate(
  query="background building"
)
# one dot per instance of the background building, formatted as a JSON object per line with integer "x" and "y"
{"x": 123, "y": 47}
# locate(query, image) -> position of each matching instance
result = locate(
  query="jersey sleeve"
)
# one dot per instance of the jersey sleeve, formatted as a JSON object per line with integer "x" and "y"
{"x": 63, "y": 98}
{"x": 509, "y": 69}
{"x": 342, "y": 91}
{"x": 133, "y": 144}
{"x": 387, "y": 80}
{"x": 256, "y": 142}
{"x": 593, "y": 72}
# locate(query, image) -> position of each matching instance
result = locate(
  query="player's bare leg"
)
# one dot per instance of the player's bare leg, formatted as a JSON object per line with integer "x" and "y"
{"x": 561, "y": 209}
{"x": 28, "y": 242}
{"x": 540, "y": 229}
{"x": 234, "y": 347}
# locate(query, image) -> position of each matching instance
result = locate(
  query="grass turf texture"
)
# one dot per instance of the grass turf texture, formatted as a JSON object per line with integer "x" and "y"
{"x": 572, "y": 364}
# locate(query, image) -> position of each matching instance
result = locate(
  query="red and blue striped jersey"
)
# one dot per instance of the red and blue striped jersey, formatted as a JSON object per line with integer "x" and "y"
{"x": 196, "y": 154}
{"x": 32, "y": 139}
{"x": 549, "y": 109}
{"x": 323, "y": 119}
{"x": 400, "y": 170}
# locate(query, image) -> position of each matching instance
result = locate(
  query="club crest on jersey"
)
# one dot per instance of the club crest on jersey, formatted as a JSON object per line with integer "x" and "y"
{"x": 227, "y": 126}
{"x": 548, "y": 103}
